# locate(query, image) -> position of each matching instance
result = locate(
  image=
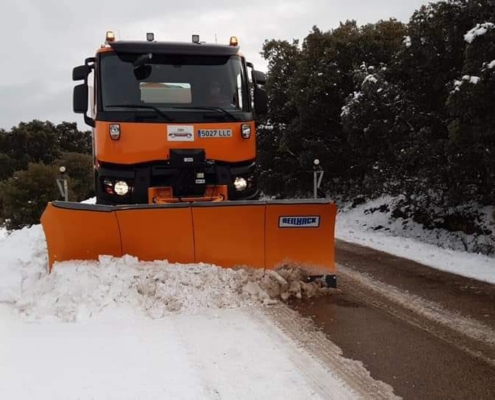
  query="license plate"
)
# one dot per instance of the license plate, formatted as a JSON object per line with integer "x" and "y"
{"x": 214, "y": 133}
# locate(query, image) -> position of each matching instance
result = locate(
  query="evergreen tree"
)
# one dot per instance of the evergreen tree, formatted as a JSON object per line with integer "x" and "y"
{"x": 25, "y": 195}
{"x": 471, "y": 146}
{"x": 70, "y": 139}
{"x": 34, "y": 141}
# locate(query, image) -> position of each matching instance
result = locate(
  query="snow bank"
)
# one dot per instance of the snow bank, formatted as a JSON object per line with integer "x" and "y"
{"x": 23, "y": 261}
{"x": 367, "y": 226}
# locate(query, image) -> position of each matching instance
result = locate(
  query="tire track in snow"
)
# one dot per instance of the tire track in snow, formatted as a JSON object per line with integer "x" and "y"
{"x": 307, "y": 338}
{"x": 463, "y": 332}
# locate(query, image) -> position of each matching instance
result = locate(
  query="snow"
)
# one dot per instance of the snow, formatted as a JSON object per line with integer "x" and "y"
{"x": 92, "y": 200}
{"x": 436, "y": 248}
{"x": 120, "y": 328}
{"x": 466, "y": 78}
{"x": 123, "y": 329}
{"x": 152, "y": 289}
{"x": 370, "y": 78}
{"x": 216, "y": 354}
{"x": 491, "y": 65}
{"x": 478, "y": 30}
{"x": 407, "y": 41}
{"x": 472, "y": 79}
{"x": 22, "y": 261}
{"x": 347, "y": 107}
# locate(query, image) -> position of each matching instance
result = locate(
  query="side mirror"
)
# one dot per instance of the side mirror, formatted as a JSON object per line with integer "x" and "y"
{"x": 259, "y": 77}
{"x": 80, "y": 102}
{"x": 260, "y": 101}
{"x": 80, "y": 99}
{"x": 80, "y": 73}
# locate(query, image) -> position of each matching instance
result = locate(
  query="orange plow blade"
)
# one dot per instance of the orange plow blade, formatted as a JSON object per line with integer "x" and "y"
{"x": 77, "y": 231}
{"x": 256, "y": 234}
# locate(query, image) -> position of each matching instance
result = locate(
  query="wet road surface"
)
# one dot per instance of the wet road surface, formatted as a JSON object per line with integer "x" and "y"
{"x": 429, "y": 334}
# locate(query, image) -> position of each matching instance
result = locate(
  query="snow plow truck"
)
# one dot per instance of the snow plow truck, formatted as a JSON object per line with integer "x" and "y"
{"x": 174, "y": 150}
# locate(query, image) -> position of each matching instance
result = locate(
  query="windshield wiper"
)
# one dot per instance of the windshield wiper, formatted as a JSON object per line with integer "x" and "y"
{"x": 141, "y": 106}
{"x": 223, "y": 110}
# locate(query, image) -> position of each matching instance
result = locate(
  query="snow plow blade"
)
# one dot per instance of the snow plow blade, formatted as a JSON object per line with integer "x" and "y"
{"x": 256, "y": 234}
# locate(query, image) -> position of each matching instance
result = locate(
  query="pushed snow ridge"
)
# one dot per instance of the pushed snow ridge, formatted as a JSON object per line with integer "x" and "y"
{"x": 111, "y": 286}
{"x": 75, "y": 291}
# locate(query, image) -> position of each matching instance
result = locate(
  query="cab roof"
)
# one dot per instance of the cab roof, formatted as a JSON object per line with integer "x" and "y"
{"x": 179, "y": 48}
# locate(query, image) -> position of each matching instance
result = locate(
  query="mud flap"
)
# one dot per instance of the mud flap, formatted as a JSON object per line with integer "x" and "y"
{"x": 257, "y": 234}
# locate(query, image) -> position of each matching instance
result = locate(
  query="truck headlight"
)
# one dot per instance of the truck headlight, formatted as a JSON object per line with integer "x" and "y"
{"x": 121, "y": 188}
{"x": 240, "y": 184}
{"x": 246, "y": 131}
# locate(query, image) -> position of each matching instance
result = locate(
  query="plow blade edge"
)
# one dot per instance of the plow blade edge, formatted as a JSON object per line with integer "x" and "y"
{"x": 256, "y": 234}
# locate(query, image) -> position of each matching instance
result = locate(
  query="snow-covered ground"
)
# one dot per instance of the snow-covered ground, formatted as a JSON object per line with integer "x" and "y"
{"x": 436, "y": 248}
{"x": 123, "y": 329}
{"x": 217, "y": 354}
{"x": 119, "y": 328}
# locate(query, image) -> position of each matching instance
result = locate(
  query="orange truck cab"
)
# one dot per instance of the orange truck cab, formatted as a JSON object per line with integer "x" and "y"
{"x": 171, "y": 120}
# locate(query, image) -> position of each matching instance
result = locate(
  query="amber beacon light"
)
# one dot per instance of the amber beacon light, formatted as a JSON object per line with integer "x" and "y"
{"x": 110, "y": 36}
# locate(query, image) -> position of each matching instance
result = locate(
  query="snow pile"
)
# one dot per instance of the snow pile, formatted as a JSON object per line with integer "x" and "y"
{"x": 78, "y": 290}
{"x": 478, "y": 30}
{"x": 75, "y": 291}
{"x": 23, "y": 261}
{"x": 371, "y": 225}
{"x": 491, "y": 65}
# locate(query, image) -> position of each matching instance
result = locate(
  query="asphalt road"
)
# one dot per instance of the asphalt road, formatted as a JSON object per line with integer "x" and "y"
{"x": 428, "y": 334}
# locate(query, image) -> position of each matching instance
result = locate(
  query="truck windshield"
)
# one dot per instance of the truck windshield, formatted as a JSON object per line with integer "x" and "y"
{"x": 173, "y": 83}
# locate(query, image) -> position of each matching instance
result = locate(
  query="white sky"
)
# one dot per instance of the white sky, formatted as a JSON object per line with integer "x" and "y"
{"x": 42, "y": 40}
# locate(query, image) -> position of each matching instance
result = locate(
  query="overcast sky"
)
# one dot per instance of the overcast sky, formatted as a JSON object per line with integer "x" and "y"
{"x": 42, "y": 40}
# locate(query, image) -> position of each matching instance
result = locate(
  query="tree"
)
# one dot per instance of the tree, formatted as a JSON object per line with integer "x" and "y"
{"x": 471, "y": 145}
{"x": 378, "y": 120}
{"x": 274, "y": 157}
{"x": 70, "y": 139}
{"x": 32, "y": 142}
{"x": 25, "y": 195}
{"x": 6, "y": 166}
{"x": 307, "y": 89}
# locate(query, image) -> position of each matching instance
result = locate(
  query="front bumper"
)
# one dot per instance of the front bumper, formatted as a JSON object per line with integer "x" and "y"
{"x": 141, "y": 177}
